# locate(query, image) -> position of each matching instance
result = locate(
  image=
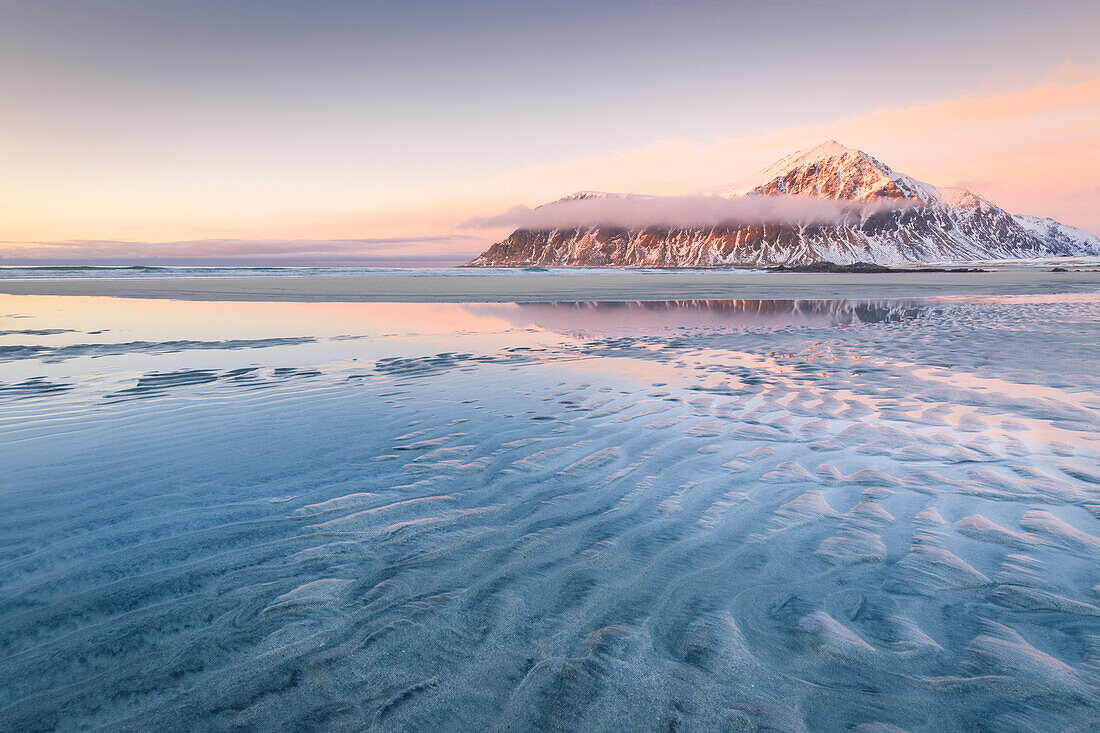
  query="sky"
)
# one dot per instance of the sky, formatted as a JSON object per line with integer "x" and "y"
{"x": 337, "y": 132}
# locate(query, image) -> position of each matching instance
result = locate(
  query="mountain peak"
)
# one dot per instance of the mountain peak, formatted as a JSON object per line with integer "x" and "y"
{"x": 832, "y": 170}
{"x": 829, "y": 151}
{"x": 582, "y": 195}
{"x": 826, "y": 150}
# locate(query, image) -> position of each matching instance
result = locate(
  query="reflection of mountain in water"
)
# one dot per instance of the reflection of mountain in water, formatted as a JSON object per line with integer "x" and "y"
{"x": 614, "y": 316}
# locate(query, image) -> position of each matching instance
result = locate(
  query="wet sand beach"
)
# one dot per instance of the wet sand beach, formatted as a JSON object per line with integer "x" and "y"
{"x": 460, "y": 286}
{"x": 831, "y": 514}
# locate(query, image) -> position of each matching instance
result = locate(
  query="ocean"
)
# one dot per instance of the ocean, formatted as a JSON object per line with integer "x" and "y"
{"x": 49, "y": 272}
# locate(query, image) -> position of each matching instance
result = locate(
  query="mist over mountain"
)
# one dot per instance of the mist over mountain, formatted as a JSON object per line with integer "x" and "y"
{"x": 829, "y": 202}
{"x": 632, "y": 211}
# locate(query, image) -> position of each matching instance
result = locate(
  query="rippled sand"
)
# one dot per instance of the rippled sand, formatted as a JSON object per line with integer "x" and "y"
{"x": 726, "y": 515}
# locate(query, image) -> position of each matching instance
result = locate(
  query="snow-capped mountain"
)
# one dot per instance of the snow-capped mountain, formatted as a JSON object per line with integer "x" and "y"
{"x": 892, "y": 219}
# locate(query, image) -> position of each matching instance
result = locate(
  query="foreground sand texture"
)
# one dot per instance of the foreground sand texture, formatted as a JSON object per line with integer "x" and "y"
{"x": 494, "y": 287}
{"x": 800, "y": 515}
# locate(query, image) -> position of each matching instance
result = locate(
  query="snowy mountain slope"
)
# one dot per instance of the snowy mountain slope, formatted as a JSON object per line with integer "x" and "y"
{"x": 1072, "y": 239}
{"x": 900, "y": 220}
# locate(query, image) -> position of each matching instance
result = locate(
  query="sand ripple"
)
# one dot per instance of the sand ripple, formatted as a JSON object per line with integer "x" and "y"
{"x": 873, "y": 526}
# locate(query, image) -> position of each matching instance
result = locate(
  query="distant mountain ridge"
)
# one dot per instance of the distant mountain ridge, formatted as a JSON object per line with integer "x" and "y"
{"x": 904, "y": 221}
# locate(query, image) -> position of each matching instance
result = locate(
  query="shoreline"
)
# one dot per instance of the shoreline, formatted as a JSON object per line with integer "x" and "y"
{"x": 617, "y": 286}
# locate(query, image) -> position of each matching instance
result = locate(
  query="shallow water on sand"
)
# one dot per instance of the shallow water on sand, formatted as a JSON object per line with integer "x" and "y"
{"x": 726, "y": 515}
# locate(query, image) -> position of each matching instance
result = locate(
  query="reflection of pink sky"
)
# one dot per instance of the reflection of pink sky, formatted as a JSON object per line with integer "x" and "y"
{"x": 992, "y": 385}
{"x": 377, "y": 330}
{"x": 160, "y": 319}
{"x": 209, "y": 320}
{"x": 1039, "y": 431}
{"x": 429, "y": 328}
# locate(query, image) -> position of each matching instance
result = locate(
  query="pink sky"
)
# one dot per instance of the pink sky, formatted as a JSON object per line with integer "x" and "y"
{"x": 377, "y": 131}
{"x": 1034, "y": 150}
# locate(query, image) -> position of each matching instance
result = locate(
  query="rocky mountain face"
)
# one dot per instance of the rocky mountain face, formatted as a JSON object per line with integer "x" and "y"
{"x": 900, "y": 220}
